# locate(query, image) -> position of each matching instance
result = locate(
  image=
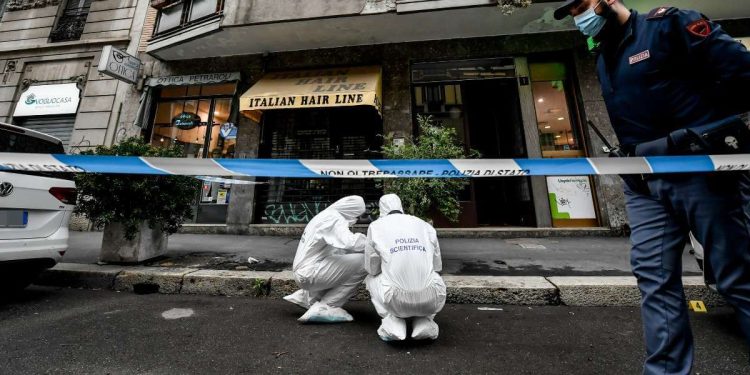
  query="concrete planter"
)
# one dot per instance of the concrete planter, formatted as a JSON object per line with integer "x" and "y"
{"x": 147, "y": 244}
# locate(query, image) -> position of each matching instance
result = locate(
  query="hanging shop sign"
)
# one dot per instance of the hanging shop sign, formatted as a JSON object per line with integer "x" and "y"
{"x": 228, "y": 131}
{"x": 341, "y": 87}
{"x": 186, "y": 121}
{"x": 120, "y": 65}
{"x": 44, "y": 100}
{"x": 194, "y": 79}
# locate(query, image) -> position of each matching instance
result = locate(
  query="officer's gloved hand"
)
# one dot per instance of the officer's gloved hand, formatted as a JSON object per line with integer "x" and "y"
{"x": 685, "y": 141}
{"x": 657, "y": 147}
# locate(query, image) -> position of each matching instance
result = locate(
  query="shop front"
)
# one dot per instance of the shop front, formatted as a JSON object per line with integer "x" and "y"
{"x": 510, "y": 108}
{"x": 503, "y": 107}
{"x": 50, "y": 109}
{"x": 315, "y": 114}
{"x": 571, "y": 198}
{"x": 196, "y": 113}
{"x": 49, "y": 96}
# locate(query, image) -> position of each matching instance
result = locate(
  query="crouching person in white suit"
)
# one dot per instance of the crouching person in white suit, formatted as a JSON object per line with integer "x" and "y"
{"x": 329, "y": 264}
{"x": 402, "y": 257}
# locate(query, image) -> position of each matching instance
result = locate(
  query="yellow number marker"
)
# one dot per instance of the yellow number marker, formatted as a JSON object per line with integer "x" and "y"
{"x": 698, "y": 306}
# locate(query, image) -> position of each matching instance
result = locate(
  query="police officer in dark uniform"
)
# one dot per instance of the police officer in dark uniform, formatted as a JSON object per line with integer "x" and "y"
{"x": 659, "y": 73}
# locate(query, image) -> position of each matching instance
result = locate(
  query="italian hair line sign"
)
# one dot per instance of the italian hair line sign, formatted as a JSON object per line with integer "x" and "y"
{"x": 43, "y": 100}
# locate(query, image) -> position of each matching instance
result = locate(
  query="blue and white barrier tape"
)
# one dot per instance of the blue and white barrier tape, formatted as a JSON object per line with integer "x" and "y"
{"x": 372, "y": 168}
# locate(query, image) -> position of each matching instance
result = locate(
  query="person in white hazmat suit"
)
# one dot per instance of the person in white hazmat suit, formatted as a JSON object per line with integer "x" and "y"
{"x": 402, "y": 258}
{"x": 329, "y": 264}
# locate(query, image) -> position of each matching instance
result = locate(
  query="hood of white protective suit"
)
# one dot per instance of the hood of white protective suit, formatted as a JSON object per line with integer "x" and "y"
{"x": 350, "y": 207}
{"x": 389, "y": 203}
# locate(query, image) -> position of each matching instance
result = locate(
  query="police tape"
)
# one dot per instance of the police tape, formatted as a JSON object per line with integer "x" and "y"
{"x": 453, "y": 168}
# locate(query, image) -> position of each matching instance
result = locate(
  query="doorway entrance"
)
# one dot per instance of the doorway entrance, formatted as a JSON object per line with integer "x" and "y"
{"x": 480, "y": 100}
{"x": 198, "y": 118}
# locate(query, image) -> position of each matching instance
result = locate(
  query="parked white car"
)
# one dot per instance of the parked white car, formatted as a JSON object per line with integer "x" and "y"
{"x": 34, "y": 211}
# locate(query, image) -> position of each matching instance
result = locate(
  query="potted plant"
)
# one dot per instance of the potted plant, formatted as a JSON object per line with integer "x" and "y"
{"x": 138, "y": 212}
{"x": 425, "y": 196}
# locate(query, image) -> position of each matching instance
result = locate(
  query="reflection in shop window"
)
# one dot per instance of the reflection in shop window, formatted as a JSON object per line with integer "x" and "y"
{"x": 444, "y": 102}
{"x": 571, "y": 199}
{"x": 558, "y": 132}
{"x": 198, "y": 118}
{"x": 171, "y": 126}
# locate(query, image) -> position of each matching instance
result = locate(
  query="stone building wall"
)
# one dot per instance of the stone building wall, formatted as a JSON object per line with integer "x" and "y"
{"x": 396, "y": 60}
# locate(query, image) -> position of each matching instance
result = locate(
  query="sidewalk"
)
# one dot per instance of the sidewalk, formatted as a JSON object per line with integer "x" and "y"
{"x": 552, "y": 271}
{"x": 565, "y": 256}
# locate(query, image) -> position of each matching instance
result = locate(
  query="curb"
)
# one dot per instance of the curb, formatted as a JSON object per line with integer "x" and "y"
{"x": 295, "y": 230}
{"x": 490, "y": 290}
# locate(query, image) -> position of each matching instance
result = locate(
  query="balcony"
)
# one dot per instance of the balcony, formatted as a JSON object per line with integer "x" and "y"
{"x": 268, "y": 26}
{"x": 294, "y": 25}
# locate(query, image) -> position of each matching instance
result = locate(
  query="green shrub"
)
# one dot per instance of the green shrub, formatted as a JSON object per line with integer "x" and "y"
{"x": 422, "y": 195}
{"x": 163, "y": 201}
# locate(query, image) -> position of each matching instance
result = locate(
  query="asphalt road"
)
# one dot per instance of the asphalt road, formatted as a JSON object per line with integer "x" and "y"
{"x": 65, "y": 331}
{"x": 581, "y": 256}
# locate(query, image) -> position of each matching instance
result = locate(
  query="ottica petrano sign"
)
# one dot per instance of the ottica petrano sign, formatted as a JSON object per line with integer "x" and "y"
{"x": 48, "y": 100}
{"x": 195, "y": 79}
{"x": 118, "y": 64}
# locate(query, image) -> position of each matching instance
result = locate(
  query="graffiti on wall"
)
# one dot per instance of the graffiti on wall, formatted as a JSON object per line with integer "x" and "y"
{"x": 293, "y": 212}
{"x": 303, "y": 212}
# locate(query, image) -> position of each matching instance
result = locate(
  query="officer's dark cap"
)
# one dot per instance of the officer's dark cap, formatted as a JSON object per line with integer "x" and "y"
{"x": 564, "y": 10}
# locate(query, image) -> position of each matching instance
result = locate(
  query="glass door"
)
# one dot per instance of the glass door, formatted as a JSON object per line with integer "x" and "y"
{"x": 198, "y": 119}
{"x": 571, "y": 198}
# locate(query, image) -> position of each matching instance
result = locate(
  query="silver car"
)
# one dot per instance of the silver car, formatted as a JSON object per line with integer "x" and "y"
{"x": 35, "y": 209}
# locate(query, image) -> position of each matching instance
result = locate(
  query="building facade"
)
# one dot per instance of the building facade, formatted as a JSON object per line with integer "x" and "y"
{"x": 328, "y": 79}
{"x": 269, "y": 75}
{"x": 49, "y": 53}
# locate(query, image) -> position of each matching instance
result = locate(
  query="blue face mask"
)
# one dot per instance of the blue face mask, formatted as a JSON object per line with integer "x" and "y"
{"x": 590, "y": 23}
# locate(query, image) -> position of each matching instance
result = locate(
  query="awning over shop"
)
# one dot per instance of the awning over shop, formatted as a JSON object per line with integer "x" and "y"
{"x": 339, "y": 87}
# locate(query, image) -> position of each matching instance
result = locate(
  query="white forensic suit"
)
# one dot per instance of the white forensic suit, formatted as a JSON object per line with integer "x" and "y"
{"x": 402, "y": 258}
{"x": 329, "y": 264}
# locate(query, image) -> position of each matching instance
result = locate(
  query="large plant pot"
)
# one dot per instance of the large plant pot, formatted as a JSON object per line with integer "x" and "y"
{"x": 147, "y": 244}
